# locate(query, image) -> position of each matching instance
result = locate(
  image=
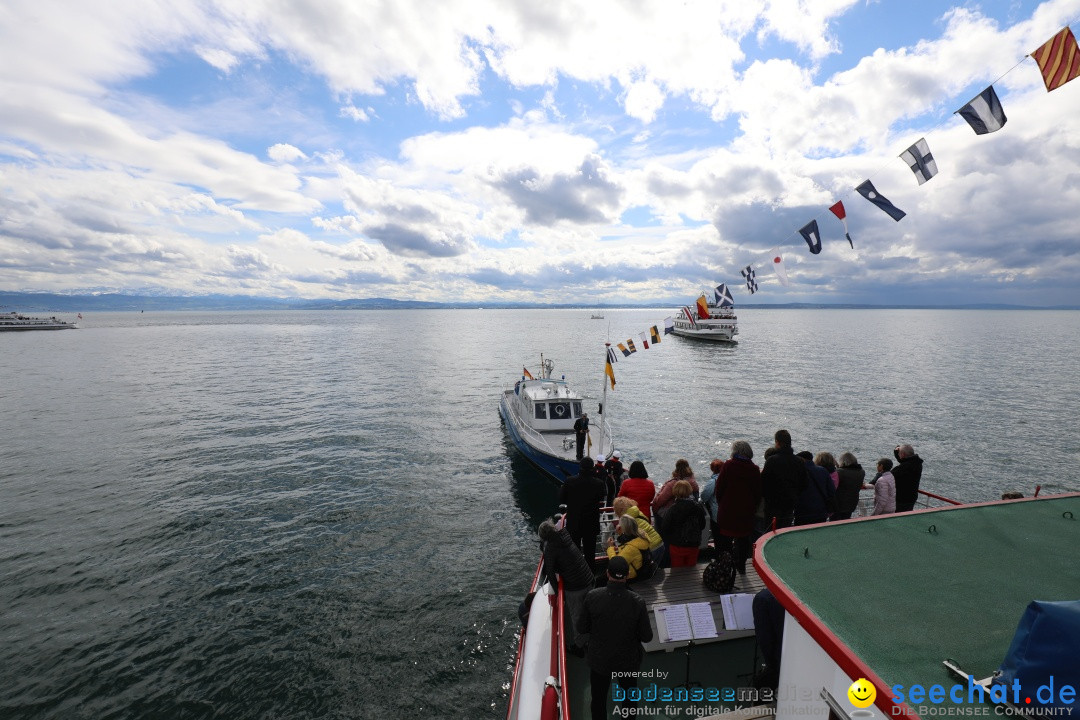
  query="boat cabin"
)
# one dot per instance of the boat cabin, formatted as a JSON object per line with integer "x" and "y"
{"x": 548, "y": 405}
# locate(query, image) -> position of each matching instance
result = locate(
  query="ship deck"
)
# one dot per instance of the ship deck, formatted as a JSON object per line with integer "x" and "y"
{"x": 905, "y": 592}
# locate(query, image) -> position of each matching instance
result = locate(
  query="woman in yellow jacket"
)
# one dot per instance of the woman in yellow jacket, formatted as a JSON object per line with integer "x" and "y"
{"x": 627, "y": 506}
{"x": 633, "y": 546}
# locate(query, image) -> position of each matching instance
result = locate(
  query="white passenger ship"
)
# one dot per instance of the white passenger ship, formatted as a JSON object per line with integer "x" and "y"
{"x": 713, "y": 320}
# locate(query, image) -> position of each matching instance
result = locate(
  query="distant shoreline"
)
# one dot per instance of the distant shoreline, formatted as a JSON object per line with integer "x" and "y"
{"x": 115, "y": 302}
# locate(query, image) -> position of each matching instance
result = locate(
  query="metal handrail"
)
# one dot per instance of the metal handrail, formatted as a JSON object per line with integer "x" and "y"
{"x": 540, "y": 438}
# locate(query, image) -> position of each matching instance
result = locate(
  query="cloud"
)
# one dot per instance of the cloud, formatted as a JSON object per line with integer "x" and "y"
{"x": 402, "y": 240}
{"x": 586, "y": 195}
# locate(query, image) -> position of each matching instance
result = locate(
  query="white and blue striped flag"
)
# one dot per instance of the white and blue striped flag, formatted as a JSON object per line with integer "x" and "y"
{"x": 984, "y": 113}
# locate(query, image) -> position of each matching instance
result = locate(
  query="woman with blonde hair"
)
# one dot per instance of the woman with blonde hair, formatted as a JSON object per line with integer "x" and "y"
{"x": 626, "y": 506}
{"x": 633, "y": 547}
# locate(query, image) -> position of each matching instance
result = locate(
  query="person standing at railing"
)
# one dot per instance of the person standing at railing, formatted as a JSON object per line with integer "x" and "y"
{"x": 907, "y": 472}
{"x": 581, "y": 430}
{"x": 583, "y": 494}
{"x": 851, "y": 477}
{"x": 884, "y": 488}
{"x": 563, "y": 559}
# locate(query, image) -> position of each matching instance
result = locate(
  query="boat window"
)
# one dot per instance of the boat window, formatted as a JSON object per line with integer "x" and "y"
{"x": 541, "y": 411}
{"x": 560, "y": 411}
{"x": 577, "y": 409}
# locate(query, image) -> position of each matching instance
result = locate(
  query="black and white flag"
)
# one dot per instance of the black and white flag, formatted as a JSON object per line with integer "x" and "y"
{"x": 868, "y": 191}
{"x": 920, "y": 161}
{"x": 812, "y": 236}
{"x": 984, "y": 113}
{"x": 751, "y": 279}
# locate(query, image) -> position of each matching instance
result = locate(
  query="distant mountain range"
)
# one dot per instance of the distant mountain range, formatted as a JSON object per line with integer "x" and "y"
{"x": 110, "y": 302}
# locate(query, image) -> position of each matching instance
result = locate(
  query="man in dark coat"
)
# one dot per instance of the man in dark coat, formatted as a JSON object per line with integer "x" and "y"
{"x": 907, "y": 472}
{"x": 583, "y": 494}
{"x": 783, "y": 479}
{"x": 563, "y": 559}
{"x": 581, "y": 429}
{"x": 617, "y": 622}
{"x": 817, "y": 502}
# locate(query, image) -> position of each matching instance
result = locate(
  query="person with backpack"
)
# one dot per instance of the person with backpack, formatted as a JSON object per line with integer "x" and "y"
{"x": 632, "y": 546}
{"x": 683, "y": 525}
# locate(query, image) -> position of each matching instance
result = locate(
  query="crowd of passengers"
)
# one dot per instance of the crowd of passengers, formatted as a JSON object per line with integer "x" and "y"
{"x": 661, "y": 527}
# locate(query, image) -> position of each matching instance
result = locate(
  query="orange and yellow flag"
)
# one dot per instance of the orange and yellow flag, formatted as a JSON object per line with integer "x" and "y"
{"x": 703, "y": 307}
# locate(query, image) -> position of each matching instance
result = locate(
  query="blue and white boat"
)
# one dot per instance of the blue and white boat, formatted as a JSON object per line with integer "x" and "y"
{"x": 540, "y": 412}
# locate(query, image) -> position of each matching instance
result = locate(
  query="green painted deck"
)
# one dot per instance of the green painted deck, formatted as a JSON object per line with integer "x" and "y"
{"x": 903, "y": 595}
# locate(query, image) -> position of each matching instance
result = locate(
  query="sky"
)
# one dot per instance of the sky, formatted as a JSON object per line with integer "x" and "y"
{"x": 593, "y": 152}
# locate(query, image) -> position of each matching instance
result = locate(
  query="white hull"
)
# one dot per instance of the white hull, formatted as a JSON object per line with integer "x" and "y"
{"x": 716, "y": 335}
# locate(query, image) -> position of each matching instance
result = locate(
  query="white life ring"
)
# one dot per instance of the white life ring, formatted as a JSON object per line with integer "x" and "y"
{"x": 559, "y": 409}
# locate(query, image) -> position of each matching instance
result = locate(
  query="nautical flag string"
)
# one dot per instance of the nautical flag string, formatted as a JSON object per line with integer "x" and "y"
{"x": 812, "y": 236}
{"x": 611, "y": 356}
{"x": 669, "y": 325}
{"x": 625, "y": 352}
{"x": 868, "y": 191}
{"x": 655, "y": 333}
{"x": 778, "y": 267}
{"x": 723, "y": 296}
{"x": 984, "y": 113}
{"x": 644, "y": 340}
{"x": 920, "y": 161}
{"x": 838, "y": 211}
{"x": 751, "y": 281}
{"x": 1058, "y": 59}
{"x": 608, "y": 370}
{"x": 630, "y": 344}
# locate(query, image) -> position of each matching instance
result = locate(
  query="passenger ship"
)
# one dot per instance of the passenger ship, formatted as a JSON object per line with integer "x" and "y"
{"x": 714, "y": 320}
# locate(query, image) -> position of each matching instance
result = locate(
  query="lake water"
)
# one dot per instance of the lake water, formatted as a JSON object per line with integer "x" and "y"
{"x": 293, "y": 515}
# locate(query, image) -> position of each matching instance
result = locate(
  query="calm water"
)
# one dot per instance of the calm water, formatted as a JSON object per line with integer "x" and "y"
{"x": 291, "y": 515}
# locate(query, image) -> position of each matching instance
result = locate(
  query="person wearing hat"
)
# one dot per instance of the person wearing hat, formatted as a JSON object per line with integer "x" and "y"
{"x": 617, "y": 622}
{"x": 615, "y": 470}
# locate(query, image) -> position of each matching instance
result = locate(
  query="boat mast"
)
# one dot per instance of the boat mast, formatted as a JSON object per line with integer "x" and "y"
{"x": 603, "y": 398}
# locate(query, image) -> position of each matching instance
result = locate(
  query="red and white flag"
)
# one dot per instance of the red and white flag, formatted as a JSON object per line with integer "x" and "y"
{"x": 778, "y": 266}
{"x": 838, "y": 211}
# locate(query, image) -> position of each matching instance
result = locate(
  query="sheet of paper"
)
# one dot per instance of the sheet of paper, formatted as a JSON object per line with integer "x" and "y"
{"x": 677, "y": 622}
{"x": 701, "y": 620}
{"x": 738, "y": 611}
{"x": 743, "y": 606}
{"x": 729, "y": 613}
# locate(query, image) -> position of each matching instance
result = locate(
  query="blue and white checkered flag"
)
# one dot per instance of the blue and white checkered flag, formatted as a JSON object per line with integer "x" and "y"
{"x": 751, "y": 279}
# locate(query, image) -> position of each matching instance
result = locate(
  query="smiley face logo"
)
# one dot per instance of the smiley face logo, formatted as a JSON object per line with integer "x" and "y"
{"x": 862, "y": 693}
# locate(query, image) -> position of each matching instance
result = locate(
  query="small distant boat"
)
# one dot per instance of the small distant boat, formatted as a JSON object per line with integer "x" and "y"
{"x": 714, "y": 320}
{"x": 597, "y": 317}
{"x": 539, "y": 414}
{"x": 14, "y": 321}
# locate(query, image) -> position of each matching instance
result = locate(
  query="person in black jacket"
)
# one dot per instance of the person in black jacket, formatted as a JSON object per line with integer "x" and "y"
{"x": 563, "y": 559}
{"x": 907, "y": 472}
{"x": 783, "y": 479}
{"x": 581, "y": 430}
{"x": 583, "y": 494}
{"x": 683, "y": 525}
{"x": 852, "y": 477}
{"x": 617, "y": 623}
{"x": 817, "y": 503}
